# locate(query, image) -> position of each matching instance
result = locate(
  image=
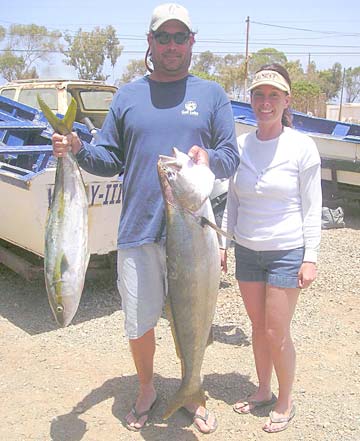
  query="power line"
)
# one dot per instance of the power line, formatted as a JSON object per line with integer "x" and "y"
{"x": 303, "y": 29}
{"x": 198, "y": 52}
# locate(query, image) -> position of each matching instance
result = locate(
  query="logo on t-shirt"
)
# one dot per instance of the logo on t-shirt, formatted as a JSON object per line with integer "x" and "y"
{"x": 190, "y": 109}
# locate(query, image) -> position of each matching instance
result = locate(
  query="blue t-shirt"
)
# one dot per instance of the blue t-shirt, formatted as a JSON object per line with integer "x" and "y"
{"x": 149, "y": 118}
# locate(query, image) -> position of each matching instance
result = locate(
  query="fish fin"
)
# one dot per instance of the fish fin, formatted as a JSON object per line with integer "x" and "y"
{"x": 182, "y": 398}
{"x": 211, "y": 337}
{"x": 203, "y": 221}
{"x": 59, "y": 125}
{"x": 70, "y": 115}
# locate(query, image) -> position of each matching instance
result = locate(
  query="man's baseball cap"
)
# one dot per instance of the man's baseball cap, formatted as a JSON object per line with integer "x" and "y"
{"x": 169, "y": 11}
{"x": 271, "y": 78}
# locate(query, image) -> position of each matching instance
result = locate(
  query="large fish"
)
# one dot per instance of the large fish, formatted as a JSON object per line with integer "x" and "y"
{"x": 66, "y": 232}
{"x": 193, "y": 266}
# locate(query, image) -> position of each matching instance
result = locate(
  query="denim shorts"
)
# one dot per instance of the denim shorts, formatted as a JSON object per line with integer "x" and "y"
{"x": 142, "y": 283}
{"x": 278, "y": 268}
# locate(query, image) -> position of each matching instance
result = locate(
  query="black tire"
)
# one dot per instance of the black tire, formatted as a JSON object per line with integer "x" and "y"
{"x": 218, "y": 208}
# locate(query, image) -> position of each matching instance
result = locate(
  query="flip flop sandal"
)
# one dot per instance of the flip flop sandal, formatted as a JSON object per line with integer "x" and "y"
{"x": 204, "y": 418}
{"x": 255, "y": 405}
{"x": 138, "y": 415}
{"x": 276, "y": 420}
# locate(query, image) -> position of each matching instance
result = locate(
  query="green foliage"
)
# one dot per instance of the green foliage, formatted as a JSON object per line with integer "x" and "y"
{"x": 206, "y": 62}
{"x": 295, "y": 70}
{"x": 352, "y": 84}
{"x": 303, "y": 87}
{"x": 11, "y": 66}
{"x": 135, "y": 69}
{"x": 2, "y": 33}
{"x": 330, "y": 81}
{"x": 265, "y": 56}
{"x": 306, "y": 96}
{"x": 88, "y": 52}
{"x": 113, "y": 46}
{"x": 227, "y": 71}
{"x": 207, "y": 76}
{"x": 232, "y": 74}
{"x": 35, "y": 43}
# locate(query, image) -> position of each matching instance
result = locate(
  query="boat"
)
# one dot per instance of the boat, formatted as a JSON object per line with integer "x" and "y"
{"x": 27, "y": 178}
{"x": 338, "y": 144}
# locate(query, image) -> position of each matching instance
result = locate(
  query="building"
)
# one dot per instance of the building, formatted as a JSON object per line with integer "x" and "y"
{"x": 350, "y": 112}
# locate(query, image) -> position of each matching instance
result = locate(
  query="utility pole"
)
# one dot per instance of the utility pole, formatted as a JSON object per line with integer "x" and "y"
{"x": 341, "y": 94}
{"x": 246, "y": 56}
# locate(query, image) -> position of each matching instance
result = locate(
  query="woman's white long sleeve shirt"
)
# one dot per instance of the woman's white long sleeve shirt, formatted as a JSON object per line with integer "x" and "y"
{"x": 274, "y": 199}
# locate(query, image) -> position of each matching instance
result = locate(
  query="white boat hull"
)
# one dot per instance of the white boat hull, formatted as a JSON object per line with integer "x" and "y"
{"x": 25, "y": 204}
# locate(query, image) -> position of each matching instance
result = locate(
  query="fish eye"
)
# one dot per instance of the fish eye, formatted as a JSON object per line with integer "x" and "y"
{"x": 59, "y": 308}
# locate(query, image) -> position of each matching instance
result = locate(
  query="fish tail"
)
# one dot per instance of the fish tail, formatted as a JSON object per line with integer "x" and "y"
{"x": 182, "y": 398}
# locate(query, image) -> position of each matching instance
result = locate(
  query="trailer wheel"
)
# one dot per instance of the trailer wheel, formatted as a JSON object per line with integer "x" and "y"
{"x": 219, "y": 212}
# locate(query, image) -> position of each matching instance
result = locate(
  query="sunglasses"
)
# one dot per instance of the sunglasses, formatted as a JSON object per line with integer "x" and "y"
{"x": 165, "y": 37}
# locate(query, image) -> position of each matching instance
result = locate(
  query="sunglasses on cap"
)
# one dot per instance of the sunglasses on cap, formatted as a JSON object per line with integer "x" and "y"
{"x": 165, "y": 37}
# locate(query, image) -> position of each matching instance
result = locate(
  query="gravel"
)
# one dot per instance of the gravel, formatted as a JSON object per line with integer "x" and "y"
{"x": 77, "y": 383}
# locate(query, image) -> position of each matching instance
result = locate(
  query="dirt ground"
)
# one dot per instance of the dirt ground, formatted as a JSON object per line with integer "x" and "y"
{"x": 77, "y": 383}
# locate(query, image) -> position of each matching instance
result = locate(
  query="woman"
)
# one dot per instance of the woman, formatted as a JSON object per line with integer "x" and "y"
{"x": 274, "y": 214}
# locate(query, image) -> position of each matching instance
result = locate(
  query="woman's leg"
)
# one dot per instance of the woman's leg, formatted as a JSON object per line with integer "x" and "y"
{"x": 254, "y": 297}
{"x": 280, "y": 307}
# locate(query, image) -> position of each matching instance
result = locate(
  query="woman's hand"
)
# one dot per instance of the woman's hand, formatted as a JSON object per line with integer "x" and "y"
{"x": 307, "y": 274}
{"x": 223, "y": 260}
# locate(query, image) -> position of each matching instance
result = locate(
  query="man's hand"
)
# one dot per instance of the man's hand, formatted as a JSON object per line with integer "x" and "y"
{"x": 63, "y": 144}
{"x": 199, "y": 155}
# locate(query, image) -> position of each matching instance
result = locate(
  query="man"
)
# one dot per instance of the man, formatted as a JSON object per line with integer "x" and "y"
{"x": 168, "y": 108}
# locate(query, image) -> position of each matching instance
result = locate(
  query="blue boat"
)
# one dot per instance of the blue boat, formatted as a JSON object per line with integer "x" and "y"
{"x": 27, "y": 177}
{"x": 338, "y": 144}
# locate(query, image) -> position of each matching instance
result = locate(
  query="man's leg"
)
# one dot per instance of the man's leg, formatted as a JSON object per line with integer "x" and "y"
{"x": 141, "y": 283}
{"x": 143, "y": 350}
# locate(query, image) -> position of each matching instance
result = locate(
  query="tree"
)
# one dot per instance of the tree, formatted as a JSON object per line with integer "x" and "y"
{"x": 35, "y": 44}
{"x": 206, "y": 62}
{"x": 307, "y": 97}
{"x": 135, "y": 69}
{"x": 206, "y": 76}
{"x": 88, "y": 52}
{"x": 265, "y": 56}
{"x": 352, "y": 84}
{"x": 232, "y": 74}
{"x": 12, "y": 66}
{"x": 311, "y": 72}
{"x": 330, "y": 81}
{"x": 295, "y": 70}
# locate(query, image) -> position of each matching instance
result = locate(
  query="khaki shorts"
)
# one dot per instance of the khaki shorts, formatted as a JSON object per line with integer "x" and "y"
{"x": 142, "y": 283}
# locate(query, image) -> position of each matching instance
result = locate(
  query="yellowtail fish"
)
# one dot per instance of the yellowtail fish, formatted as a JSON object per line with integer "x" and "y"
{"x": 193, "y": 267}
{"x": 66, "y": 254}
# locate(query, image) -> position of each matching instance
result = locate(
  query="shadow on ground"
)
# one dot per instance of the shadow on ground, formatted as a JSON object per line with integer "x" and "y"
{"x": 72, "y": 427}
{"x": 21, "y": 301}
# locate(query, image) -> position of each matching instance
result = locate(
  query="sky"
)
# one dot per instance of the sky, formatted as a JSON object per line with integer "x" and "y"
{"x": 317, "y": 30}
